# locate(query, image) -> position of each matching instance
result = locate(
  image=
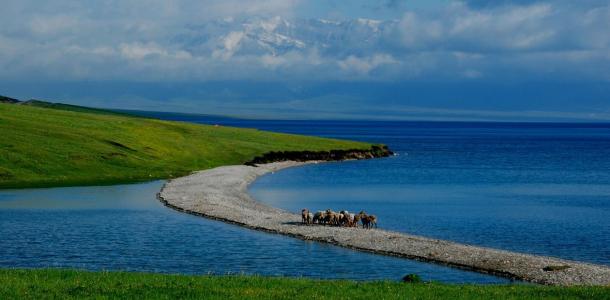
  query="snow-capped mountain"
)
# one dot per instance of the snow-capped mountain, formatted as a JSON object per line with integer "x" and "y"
{"x": 277, "y": 36}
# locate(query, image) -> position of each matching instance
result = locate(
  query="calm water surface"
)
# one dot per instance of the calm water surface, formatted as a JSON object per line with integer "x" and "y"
{"x": 125, "y": 227}
{"x": 541, "y": 188}
{"x": 535, "y": 188}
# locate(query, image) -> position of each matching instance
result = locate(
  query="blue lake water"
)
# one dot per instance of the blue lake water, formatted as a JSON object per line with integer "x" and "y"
{"x": 125, "y": 227}
{"x": 541, "y": 188}
{"x": 536, "y": 188}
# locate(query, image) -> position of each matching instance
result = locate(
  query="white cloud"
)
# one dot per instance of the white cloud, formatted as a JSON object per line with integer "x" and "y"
{"x": 363, "y": 65}
{"x": 459, "y": 27}
{"x": 53, "y": 24}
{"x": 140, "y": 51}
{"x": 230, "y": 39}
{"x": 419, "y": 33}
{"x": 272, "y": 61}
{"x": 230, "y": 44}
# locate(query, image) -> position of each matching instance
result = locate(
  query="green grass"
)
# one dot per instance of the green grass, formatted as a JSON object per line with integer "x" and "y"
{"x": 70, "y": 107}
{"x": 56, "y": 147}
{"x": 68, "y": 284}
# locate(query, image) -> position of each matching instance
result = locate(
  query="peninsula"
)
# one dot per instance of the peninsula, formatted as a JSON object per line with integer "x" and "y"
{"x": 221, "y": 194}
{"x": 46, "y": 144}
{"x": 49, "y": 144}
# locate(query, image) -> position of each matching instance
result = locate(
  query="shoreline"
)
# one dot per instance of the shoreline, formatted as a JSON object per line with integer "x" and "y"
{"x": 374, "y": 151}
{"x": 221, "y": 194}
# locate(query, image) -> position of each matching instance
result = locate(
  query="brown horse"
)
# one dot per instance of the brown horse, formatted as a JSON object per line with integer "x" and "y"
{"x": 356, "y": 220}
{"x": 332, "y": 218}
{"x": 372, "y": 221}
{"x": 362, "y": 216}
{"x": 319, "y": 217}
{"x": 305, "y": 216}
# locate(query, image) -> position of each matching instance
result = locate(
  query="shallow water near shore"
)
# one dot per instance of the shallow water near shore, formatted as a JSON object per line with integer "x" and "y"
{"x": 126, "y": 228}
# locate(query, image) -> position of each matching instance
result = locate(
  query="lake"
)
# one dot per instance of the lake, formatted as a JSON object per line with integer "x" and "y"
{"x": 535, "y": 188}
{"x": 124, "y": 227}
{"x": 541, "y": 188}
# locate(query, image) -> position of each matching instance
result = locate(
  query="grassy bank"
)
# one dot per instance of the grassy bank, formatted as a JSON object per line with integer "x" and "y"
{"x": 52, "y": 147}
{"x": 65, "y": 284}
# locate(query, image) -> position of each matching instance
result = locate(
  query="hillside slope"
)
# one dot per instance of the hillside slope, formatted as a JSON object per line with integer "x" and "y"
{"x": 61, "y": 106}
{"x": 50, "y": 147}
{"x": 70, "y": 107}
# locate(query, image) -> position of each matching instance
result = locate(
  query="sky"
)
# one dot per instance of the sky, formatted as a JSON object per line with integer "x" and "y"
{"x": 497, "y": 60}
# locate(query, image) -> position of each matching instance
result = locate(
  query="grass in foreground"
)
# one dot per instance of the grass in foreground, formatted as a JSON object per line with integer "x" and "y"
{"x": 54, "y": 147}
{"x": 66, "y": 284}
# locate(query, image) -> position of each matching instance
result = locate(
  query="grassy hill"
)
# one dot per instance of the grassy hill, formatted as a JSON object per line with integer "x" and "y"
{"x": 60, "y": 106}
{"x": 50, "y": 147}
{"x": 4, "y": 99}
{"x": 67, "y": 284}
{"x": 70, "y": 107}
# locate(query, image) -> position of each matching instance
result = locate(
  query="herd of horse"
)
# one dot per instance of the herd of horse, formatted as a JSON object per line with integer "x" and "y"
{"x": 342, "y": 218}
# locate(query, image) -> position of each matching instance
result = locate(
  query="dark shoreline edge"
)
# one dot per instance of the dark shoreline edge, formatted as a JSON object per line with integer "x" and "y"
{"x": 376, "y": 151}
{"x": 334, "y": 242}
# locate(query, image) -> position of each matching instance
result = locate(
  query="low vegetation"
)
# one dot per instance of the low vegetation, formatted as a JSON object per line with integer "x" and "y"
{"x": 54, "y": 145}
{"x": 69, "y": 284}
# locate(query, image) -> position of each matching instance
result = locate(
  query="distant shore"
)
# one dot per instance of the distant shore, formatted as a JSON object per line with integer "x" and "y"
{"x": 49, "y": 144}
{"x": 221, "y": 194}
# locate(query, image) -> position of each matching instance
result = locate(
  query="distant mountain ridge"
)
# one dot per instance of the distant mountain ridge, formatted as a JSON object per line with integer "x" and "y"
{"x": 60, "y": 106}
{"x": 4, "y": 99}
{"x": 277, "y": 35}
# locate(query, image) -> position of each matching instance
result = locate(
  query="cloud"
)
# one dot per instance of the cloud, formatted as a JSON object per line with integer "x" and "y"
{"x": 498, "y": 3}
{"x": 230, "y": 44}
{"x": 460, "y": 28}
{"x": 192, "y": 40}
{"x": 364, "y": 65}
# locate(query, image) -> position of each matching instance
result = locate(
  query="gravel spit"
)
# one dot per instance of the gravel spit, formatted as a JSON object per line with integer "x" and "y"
{"x": 221, "y": 194}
